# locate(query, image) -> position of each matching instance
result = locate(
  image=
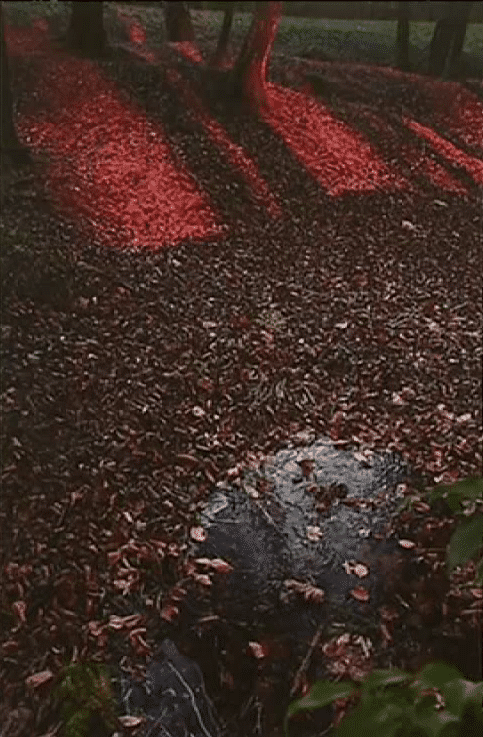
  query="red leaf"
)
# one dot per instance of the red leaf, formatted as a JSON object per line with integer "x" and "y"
{"x": 360, "y": 594}
{"x": 39, "y": 679}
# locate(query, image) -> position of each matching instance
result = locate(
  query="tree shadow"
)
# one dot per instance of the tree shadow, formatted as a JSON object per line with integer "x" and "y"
{"x": 381, "y": 123}
{"x": 200, "y": 145}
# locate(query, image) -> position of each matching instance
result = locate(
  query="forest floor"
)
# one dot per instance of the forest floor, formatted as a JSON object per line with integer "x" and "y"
{"x": 184, "y": 289}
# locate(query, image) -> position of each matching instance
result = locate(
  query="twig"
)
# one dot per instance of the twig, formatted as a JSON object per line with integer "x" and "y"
{"x": 305, "y": 661}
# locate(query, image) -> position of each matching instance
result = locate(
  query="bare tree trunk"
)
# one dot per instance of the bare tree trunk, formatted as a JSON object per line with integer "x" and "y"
{"x": 86, "y": 32}
{"x": 402, "y": 41}
{"x": 459, "y": 38}
{"x": 178, "y": 22}
{"x": 448, "y": 37}
{"x": 222, "y": 45}
{"x": 250, "y": 72}
{"x": 9, "y": 143}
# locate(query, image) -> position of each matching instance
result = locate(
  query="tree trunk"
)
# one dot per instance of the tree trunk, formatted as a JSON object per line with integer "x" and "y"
{"x": 249, "y": 75}
{"x": 459, "y": 34}
{"x": 86, "y": 32}
{"x": 448, "y": 37}
{"x": 222, "y": 45}
{"x": 178, "y": 22}
{"x": 11, "y": 147}
{"x": 403, "y": 36}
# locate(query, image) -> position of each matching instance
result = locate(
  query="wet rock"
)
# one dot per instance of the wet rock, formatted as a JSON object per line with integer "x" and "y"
{"x": 306, "y": 537}
{"x": 315, "y": 515}
{"x": 172, "y": 698}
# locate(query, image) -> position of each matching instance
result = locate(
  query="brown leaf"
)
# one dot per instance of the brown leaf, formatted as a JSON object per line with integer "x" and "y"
{"x": 309, "y": 592}
{"x": 258, "y": 650}
{"x": 39, "y": 679}
{"x": 187, "y": 460}
{"x": 129, "y": 722}
{"x": 360, "y": 594}
{"x": 307, "y": 466}
{"x": 169, "y": 613}
{"x": 19, "y": 609}
{"x": 357, "y": 569}
{"x": 203, "y": 579}
{"x": 198, "y": 533}
{"x": 408, "y": 544}
{"x": 216, "y": 564}
{"x": 138, "y": 643}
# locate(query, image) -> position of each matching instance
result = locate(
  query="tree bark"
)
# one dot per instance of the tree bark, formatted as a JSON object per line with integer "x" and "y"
{"x": 459, "y": 34}
{"x": 220, "y": 53}
{"x": 178, "y": 22}
{"x": 448, "y": 37}
{"x": 9, "y": 143}
{"x": 86, "y": 32}
{"x": 402, "y": 41}
{"x": 249, "y": 75}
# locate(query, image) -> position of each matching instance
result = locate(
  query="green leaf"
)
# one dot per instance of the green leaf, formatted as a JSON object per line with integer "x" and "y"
{"x": 436, "y": 723}
{"x": 461, "y": 694}
{"x": 435, "y": 675}
{"x": 390, "y": 712}
{"x": 321, "y": 694}
{"x": 376, "y": 717}
{"x": 454, "y": 495}
{"x": 380, "y": 678}
{"x": 465, "y": 541}
{"x": 78, "y": 724}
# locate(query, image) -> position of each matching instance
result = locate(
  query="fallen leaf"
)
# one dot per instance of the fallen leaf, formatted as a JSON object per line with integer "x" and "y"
{"x": 20, "y": 608}
{"x": 198, "y": 534}
{"x": 203, "y": 579}
{"x": 309, "y": 592}
{"x": 257, "y": 650}
{"x": 360, "y": 594}
{"x": 357, "y": 569}
{"x": 169, "y": 613}
{"x": 129, "y": 722}
{"x": 314, "y": 533}
{"x": 408, "y": 544}
{"x": 216, "y": 564}
{"x": 38, "y": 679}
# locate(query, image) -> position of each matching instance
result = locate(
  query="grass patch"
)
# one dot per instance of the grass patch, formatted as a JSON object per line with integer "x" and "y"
{"x": 364, "y": 41}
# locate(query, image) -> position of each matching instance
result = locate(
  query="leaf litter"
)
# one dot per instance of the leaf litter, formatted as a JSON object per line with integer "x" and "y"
{"x": 132, "y": 383}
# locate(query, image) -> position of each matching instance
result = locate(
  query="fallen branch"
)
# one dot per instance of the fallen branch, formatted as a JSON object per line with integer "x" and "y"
{"x": 303, "y": 666}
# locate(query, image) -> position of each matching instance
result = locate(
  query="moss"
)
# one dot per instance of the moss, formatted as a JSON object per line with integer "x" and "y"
{"x": 85, "y": 699}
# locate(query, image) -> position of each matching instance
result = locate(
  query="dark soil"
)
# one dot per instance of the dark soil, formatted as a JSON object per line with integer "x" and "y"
{"x": 133, "y": 381}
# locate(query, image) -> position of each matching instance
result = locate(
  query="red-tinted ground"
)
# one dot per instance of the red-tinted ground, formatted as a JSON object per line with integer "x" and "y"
{"x": 114, "y": 168}
{"x": 326, "y": 274}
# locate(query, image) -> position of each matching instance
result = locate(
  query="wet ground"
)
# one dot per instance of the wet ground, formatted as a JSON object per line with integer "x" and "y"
{"x": 154, "y": 360}
{"x": 305, "y": 514}
{"x": 307, "y": 536}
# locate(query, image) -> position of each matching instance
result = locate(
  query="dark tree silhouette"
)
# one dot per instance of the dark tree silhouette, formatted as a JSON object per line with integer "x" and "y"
{"x": 178, "y": 22}
{"x": 249, "y": 75}
{"x": 10, "y": 145}
{"x": 220, "y": 53}
{"x": 448, "y": 38}
{"x": 86, "y": 32}
{"x": 402, "y": 41}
